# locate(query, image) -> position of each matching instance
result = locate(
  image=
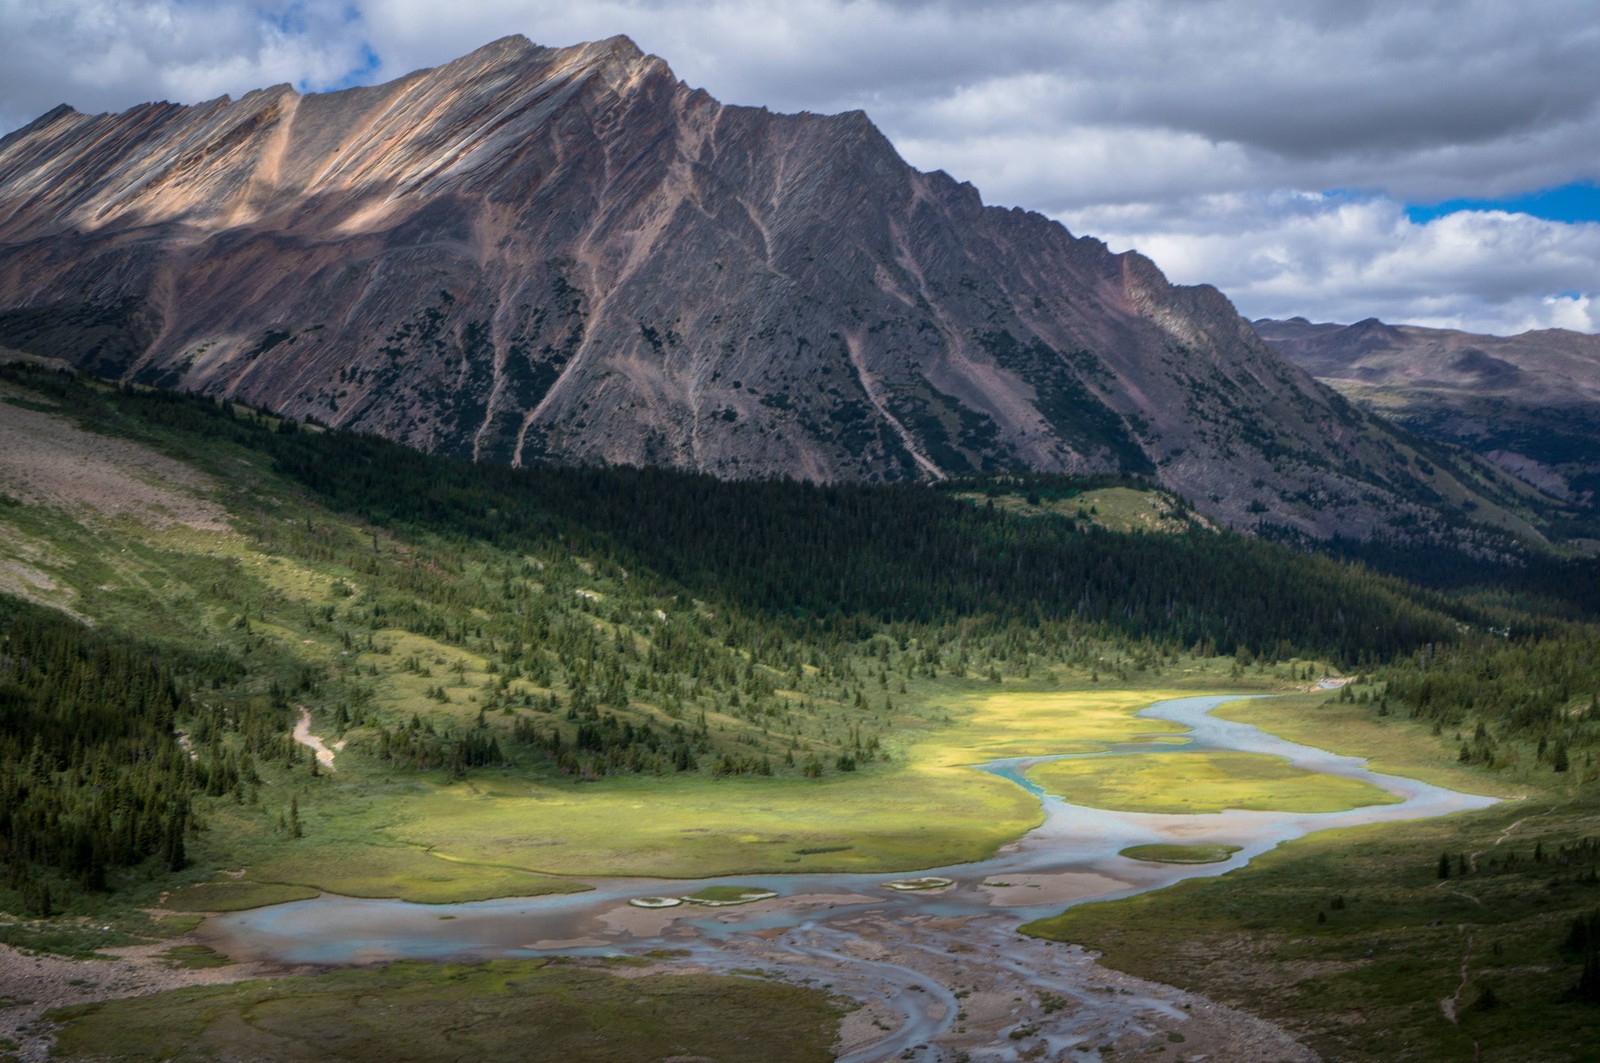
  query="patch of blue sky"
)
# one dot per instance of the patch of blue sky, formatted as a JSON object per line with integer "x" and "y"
{"x": 1577, "y": 202}
{"x": 360, "y": 74}
{"x": 291, "y": 21}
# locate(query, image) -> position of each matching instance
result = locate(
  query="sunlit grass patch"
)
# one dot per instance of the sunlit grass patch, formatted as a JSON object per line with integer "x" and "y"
{"x": 1195, "y": 782}
{"x": 1180, "y": 854}
{"x": 234, "y": 896}
{"x": 403, "y": 872}
{"x": 193, "y": 957}
{"x": 1394, "y": 745}
{"x": 694, "y": 826}
{"x": 1021, "y": 723}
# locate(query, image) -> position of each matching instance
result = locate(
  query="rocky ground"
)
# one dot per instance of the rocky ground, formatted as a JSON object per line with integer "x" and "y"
{"x": 932, "y": 990}
{"x": 31, "y": 985}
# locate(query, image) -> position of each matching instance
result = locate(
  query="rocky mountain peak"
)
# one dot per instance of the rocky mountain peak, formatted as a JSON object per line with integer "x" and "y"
{"x": 566, "y": 254}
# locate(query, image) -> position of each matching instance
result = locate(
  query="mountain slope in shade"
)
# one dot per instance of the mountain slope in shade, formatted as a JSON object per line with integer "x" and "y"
{"x": 1528, "y": 403}
{"x": 534, "y": 253}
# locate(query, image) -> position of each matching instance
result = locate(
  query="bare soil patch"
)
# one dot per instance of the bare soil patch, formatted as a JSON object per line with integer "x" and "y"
{"x": 45, "y": 460}
{"x": 36, "y": 983}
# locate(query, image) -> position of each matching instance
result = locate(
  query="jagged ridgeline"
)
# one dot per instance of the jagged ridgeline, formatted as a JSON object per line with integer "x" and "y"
{"x": 436, "y": 616}
{"x": 568, "y": 254}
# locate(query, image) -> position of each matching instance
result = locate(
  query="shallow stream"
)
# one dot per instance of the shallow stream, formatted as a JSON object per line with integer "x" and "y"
{"x": 849, "y": 931}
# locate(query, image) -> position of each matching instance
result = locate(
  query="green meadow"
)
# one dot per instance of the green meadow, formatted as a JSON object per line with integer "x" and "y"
{"x": 1180, "y": 854}
{"x": 927, "y": 807}
{"x": 502, "y": 833}
{"x": 434, "y": 1012}
{"x": 1192, "y": 782}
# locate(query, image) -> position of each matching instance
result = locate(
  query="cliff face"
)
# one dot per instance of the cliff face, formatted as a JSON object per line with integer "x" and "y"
{"x": 535, "y": 253}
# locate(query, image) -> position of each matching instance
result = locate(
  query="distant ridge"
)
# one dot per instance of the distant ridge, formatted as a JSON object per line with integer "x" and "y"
{"x": 1529, "y": 404}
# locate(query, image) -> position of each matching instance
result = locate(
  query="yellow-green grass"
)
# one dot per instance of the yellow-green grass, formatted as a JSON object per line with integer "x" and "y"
{"x": 1192, "y": 782}
{"x": 1118, "y": 509}
{"x": 403, "y": 872}
{"x": 1162, "y": 853}
{"x": 171, "y": 926}
{"x": 233, "y": 896}
{"x": 929, "y": 809}
{"x": 722, "y": 896}
{"x": 403, "y": 691}
{"x": 193, "y": 957}
{"x": 436, "y": 1012}
{"x": 693, "y": 827}
{"x": 1392, "y": 745}
{"x": 1021, "y": 723}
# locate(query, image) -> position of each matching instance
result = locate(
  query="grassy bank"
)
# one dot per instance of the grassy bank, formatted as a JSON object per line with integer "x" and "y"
{"x": 1358, "y": 941}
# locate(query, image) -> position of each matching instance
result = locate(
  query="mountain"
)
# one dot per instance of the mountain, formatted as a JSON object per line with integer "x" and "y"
{"x": 1530, "y": 403}
{"x": 533, "y": 253}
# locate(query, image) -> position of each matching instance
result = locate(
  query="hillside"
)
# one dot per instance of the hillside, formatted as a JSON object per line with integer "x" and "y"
{"x": 246, "y": 660}
{"x": 436, "y": 619}
{"x": 1529, "y": 404}
{"x": 535, "y": 253}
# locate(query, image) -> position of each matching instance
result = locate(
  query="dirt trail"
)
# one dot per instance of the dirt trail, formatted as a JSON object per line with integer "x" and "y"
{"x": 303, "y": 735}
{"x": 1451, "y": 1005}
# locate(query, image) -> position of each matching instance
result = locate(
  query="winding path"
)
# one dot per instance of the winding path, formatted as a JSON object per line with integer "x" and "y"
{"x": 303, "y": 735}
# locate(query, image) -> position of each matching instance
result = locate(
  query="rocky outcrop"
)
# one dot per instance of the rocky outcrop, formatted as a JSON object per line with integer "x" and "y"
{"x": 534, "y": 253}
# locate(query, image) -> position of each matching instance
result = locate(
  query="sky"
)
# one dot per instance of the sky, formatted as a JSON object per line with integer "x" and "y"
{"x": 1433, "y": 162}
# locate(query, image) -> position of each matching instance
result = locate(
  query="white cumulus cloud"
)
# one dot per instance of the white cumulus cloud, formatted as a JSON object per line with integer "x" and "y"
{"x": 1338, "y": 258}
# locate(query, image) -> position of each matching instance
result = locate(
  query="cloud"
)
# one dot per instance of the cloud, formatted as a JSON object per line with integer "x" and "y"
{"x": 1141, "y": 120}
{"x": 107, "y": 55}
{"x": 1339, "y": 258}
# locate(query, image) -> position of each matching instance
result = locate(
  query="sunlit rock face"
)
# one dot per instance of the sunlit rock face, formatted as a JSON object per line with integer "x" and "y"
{"x": 567, "y": 254}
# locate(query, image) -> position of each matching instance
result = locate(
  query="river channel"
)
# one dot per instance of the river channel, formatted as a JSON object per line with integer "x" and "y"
{"x": 942, "y": 973}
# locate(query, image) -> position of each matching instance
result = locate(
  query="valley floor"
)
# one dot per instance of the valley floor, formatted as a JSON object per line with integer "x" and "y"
{"x": 1014, "y": 999}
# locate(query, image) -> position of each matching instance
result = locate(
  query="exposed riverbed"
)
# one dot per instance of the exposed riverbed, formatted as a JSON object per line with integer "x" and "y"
{"x": 941, "y": 972}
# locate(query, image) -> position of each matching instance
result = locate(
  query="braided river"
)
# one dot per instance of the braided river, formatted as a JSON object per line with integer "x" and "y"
{"x": 941, "y": 973}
